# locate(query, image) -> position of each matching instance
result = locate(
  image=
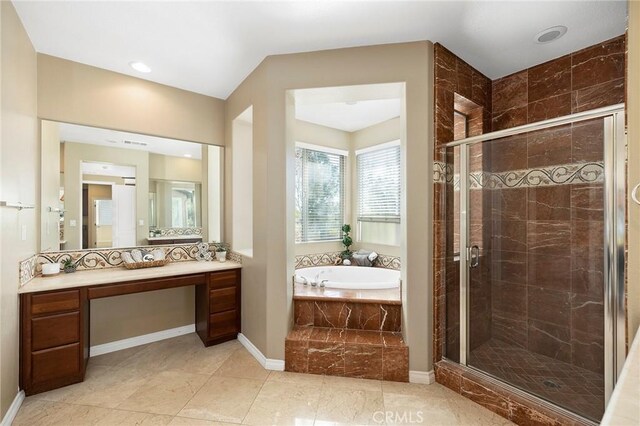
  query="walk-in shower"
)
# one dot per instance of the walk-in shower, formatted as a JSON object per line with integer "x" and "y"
{"x": 535, "y": 229}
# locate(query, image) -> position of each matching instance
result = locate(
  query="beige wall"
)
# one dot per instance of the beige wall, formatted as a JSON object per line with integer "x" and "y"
{"x": 50, "y": 186}
{"x": 76, "y": 93}
{"x": 74, "y": 155}
{"x": 19, "y": 180}
{"x": 633, "y": 141}
{"x": 165, "y": 167}
{"x": 266, "y": 278}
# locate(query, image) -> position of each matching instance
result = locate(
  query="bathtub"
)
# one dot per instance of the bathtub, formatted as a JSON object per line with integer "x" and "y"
{"x": 349, "y": 277}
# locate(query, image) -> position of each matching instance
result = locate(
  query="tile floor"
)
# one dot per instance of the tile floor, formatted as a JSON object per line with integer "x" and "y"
{"x": 575, "y": 388}
{"x": 180, "y": 382}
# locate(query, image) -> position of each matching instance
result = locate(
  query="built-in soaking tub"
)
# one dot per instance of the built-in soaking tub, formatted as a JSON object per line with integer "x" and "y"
{"x": 349, "y": 277}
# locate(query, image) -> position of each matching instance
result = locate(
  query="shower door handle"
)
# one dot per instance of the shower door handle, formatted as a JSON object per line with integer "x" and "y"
{"x": 474, "y": 256}
{"x": 634, "y": 194}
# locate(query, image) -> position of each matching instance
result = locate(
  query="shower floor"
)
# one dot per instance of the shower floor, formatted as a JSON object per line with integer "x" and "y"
{"x": 574, "y": 388}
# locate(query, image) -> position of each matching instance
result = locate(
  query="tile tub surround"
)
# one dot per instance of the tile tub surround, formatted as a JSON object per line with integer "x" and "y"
{"x": 179, "y": 382}
{"x": 107, "y": 258}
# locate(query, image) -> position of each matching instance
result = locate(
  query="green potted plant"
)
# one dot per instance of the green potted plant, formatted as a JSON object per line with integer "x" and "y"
{"x": 69, "y": 265}
{"x": 346, "y": 242}
{"x": 221, "y": 251}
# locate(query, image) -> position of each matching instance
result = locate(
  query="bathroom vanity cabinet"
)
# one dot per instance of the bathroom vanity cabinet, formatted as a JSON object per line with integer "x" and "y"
{"x": 54, "y": 324}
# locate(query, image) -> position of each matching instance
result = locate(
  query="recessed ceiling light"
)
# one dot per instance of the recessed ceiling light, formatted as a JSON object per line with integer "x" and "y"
{"x": 187, "y": 155}
{"x": 140, "y": 66}
{"x": 550, "y": 34}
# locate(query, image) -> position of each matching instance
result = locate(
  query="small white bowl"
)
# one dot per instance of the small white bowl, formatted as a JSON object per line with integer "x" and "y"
{"x": 50, "y": 268}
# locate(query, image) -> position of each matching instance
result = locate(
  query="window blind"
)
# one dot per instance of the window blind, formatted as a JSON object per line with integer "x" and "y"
{"x": 320, "y": 195}
{"x": 379, "y": 184}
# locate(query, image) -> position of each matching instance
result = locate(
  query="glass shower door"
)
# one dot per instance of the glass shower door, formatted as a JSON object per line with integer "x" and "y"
{"x": 533, "y": 288}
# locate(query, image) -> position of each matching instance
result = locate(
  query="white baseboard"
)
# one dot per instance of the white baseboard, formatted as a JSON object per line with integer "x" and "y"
{"x": 424, "y": 377}
{"x": 119, "y": 345}
{"x": 266, "y": 363}
{"x": 12, "y": 412}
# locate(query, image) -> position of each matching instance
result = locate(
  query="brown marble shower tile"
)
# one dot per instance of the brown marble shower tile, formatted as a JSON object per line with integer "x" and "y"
{"x": 365, "y": 316}
{"x": 548, "y": 237}
{"x": 550, "y": 340}
{"x": 587, "y": 276}
{"x": 508, "y": 203}
{"x": 444, "y": 116}
{"x": 587, "y": 351}
{"x": 326, "y": 358}
{"x": 303, "y": 312}
{"x": 555, "y": 106}
{"x": 482, "y": 393}
{"x": 609, "y": 93}
{"x": 395, "y": 364}
{"x": 550, "y": 272}
{"x": 509, "y": 330}
{"x": 481, "y": 90}
{"x": 390, "y": 317}
{"x": 587, "y": 238}
{"x": 513, "y": 117}
{"x": 332, "y": 314}
{"x": 299, "y": 333}
{"x": 550, "y": 203}
{"x": 587, "y": 202}
{"x": 509, "y": 266}
{"x": 509, "y": 300}
{"x": 480, "y": 206}
{"x": 296, "y": 356}
{"x": 392, "y": 339}
{"x": 550, "y": 79}
{"x": 510, "y": 92}
{"x": 588, "y": 141}
{"x": 363, "y": 361}
{"x": 464, "y": 78}
{"x": 445, "y": 68}
{"x": 598, "y": 64}
{"x": 550, "y": 306}
{"x": 587, "y": 314}
{"x": 447, "y": 376}
{"x": 509, "y": 235}
{"x": 549, "y": 147}
{"x": 509, "y": 154}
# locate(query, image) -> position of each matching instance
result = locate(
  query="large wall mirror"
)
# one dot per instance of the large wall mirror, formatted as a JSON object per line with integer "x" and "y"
{"x": 104, "y": 188}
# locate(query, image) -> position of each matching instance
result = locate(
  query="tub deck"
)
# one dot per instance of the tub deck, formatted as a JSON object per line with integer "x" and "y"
{"x": 391, "y": 296}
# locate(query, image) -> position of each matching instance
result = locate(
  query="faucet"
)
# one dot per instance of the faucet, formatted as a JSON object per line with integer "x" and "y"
{"x": 317, "y": 281}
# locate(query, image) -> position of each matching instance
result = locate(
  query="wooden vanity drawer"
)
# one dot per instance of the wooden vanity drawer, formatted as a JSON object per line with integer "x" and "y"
{"x": 56, "y": 363}
{"x": 223, "y": 279}
{"x": 222, "y": 299}
{"x": 222, "y": 324}
{"x": 56, "y": 330}
{"x": 58, "y": 301}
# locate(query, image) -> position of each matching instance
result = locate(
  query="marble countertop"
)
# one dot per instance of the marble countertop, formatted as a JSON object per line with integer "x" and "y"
{"x": 624, "y": 406}
{"x": 120, "y": 274}
{"x": 174, "y": 237}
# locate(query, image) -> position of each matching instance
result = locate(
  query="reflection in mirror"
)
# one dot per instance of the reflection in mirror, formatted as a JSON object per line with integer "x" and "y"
{"x": 103, "y": 188}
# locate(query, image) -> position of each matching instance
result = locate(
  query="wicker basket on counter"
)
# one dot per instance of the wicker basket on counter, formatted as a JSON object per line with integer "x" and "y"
{"x": 150, "y": 264}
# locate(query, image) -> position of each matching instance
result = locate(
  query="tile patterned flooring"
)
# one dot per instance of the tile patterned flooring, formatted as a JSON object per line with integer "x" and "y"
{"x": 180, "y": 382}
{"x": 575, "y": 388}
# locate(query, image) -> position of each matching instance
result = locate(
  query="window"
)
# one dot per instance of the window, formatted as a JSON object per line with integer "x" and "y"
{"x": 320, "y": 193}
{"x": 378, "y": 171}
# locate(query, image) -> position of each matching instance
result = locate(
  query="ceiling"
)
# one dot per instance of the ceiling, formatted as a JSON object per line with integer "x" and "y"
{"x": 210, "y": 47}
{"x": 350, "y": 108}
{"x": 107, "y": 169}
{"x": 117, "y": 139}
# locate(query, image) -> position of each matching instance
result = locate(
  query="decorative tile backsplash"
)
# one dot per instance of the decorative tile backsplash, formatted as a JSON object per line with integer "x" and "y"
{"x": 107, "y": 258}
{"x": 165, "y": 232}
{"x": 325, "y": 259}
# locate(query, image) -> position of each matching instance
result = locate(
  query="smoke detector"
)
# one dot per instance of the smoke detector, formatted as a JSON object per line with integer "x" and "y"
{"x": 550, "y": 34}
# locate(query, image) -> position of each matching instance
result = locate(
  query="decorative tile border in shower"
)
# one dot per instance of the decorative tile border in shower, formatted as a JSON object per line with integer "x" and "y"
{"x": 564, "y": 174}
{"x": 107, "y": 258}
{"x": 325, "y": 259}
{"x": 165, "y": 232}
